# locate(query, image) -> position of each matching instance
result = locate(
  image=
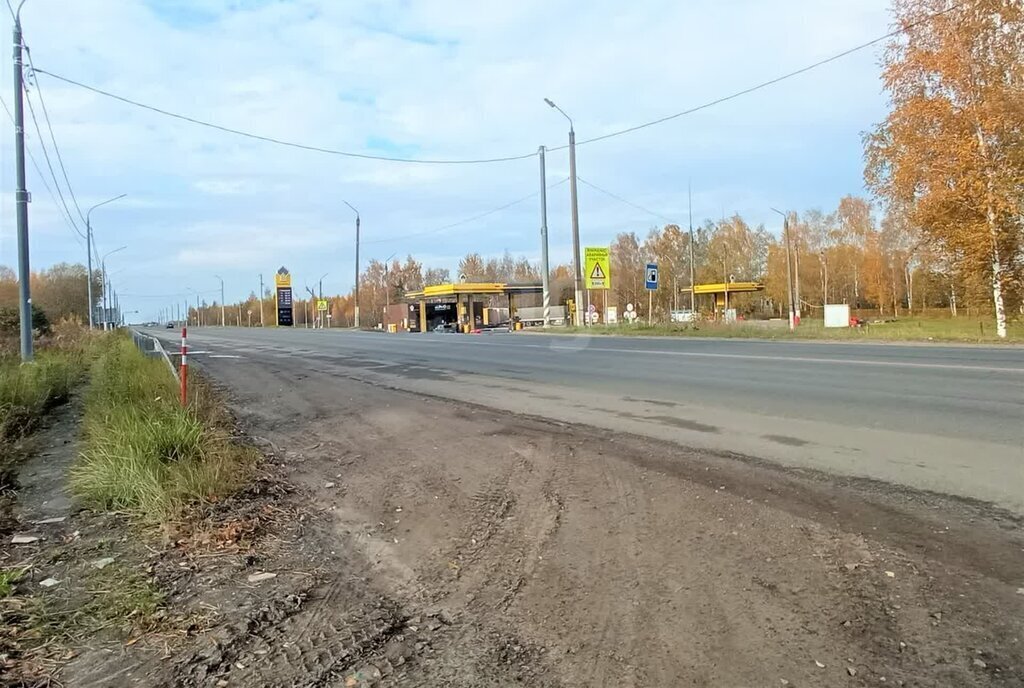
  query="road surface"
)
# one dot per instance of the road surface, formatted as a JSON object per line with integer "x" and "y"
{"x": 946, "y": 419}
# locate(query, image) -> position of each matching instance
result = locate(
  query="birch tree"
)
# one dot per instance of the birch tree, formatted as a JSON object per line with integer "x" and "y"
{"x": 952, "y": 149}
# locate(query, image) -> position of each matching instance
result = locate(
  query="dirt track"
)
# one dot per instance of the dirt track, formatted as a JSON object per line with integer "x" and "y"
{"x": 453, "y": 545}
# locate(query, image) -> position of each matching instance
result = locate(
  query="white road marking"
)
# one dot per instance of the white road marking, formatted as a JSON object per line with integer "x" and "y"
{"x": 751, "y": 357}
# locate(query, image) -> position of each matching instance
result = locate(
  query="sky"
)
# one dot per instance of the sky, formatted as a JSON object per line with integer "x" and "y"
{"x": 422, "y": 79}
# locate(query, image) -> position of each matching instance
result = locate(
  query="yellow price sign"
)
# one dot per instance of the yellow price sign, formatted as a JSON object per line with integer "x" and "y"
{"x": 598, "y": 267}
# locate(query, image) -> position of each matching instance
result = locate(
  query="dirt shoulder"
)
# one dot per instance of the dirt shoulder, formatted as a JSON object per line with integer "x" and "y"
{"x": 573, "y": 556}
{"x": 397, "y": 539}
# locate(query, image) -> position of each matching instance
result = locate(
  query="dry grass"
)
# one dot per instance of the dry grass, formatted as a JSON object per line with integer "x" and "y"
{"x": 144, "y": 454}
{"x": 962, "y": 330}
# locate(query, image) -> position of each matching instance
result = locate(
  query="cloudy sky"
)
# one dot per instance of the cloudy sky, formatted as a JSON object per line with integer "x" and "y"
{"x": 423, "y": 79}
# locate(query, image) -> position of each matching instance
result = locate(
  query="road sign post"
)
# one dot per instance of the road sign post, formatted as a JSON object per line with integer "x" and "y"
{"x": 598, "y": 263}
{"x": 597, "y": 270}
{"x": 651, "y": 281}
{"x": 283, "y": 282}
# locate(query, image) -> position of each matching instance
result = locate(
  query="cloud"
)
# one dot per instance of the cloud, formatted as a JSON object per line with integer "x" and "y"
{"x": 433, "y": 78}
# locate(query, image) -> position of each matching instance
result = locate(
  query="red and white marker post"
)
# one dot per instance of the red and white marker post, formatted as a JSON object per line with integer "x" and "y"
{"x": 183, "y": 372}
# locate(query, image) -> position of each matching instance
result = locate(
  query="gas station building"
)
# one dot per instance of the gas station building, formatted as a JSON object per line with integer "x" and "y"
{"x": 463, "y": 306}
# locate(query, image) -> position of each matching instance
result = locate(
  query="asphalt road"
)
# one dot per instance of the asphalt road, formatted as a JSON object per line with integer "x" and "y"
{"x": 942, "y": 418}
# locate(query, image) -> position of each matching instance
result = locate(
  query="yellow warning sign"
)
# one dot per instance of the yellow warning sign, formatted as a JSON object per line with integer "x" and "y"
{"x": 598, "y": 272}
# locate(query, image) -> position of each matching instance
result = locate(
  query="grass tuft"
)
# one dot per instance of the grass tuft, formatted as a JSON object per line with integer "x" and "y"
{"x": 28, "y": 391}
{"x": 144, "y": 454}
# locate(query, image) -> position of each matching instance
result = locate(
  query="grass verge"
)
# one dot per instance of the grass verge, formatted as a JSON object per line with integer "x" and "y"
{"x": 27, "y": 392}
{"x": 144, "y": 454}
{"x": 962, "y": 330}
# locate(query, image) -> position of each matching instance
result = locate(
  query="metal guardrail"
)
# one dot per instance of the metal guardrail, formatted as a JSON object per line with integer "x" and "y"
{"x": 151, "y": 346}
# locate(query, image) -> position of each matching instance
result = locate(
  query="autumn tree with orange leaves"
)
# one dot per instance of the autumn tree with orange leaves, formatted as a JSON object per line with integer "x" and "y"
{"x": 951, "y": 152}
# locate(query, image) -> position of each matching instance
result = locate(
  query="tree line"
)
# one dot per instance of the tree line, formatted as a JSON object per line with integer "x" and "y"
{"x": 59, "y": 292}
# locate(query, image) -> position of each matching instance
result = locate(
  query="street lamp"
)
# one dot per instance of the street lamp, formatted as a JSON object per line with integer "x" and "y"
{"x": 106, "y": 284}
{"x": 789, "y": 276}
{"x": 221, "y": 299}
{"x": 575, "y": 213}
{"x": 357, "y": 263}
{"x": 88, "y": 249}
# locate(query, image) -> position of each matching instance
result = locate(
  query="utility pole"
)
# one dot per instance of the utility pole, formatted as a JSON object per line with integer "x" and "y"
{"x": 796, "y": 276}
{"x": 21, "y": 197}
{"x": 577, "y": 271}
{"x": 824, "y": 286}
{"x": 693, "y": 295}
{"x": 107, "y": 301}
{"x": 789, "y": 274}
{"x": 88, "y": 250}
{"x": 356, "y": 307}
{"x": 221, "y": 299}
{"x": 545, "y": 272}
{"x": 261, "y": 299}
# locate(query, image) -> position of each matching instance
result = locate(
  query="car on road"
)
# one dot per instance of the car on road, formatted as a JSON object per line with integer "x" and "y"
{"x": 169, "y": 326}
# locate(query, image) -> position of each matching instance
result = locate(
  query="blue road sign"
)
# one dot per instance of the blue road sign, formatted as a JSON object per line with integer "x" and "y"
{"x": 652, "y": 276}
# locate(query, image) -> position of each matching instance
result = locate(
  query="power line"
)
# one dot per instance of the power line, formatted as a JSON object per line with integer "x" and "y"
{"x": 46, "y": 156}
{"x": 42, "y": 178}
{"x": 280, "y": 142}
{"x": 620, "y": 199}
{"x": 467, "y": 220}
{"x": 770, "y": 82}
{"x": 621, "y": 132}
{"x": 56, "y": 148}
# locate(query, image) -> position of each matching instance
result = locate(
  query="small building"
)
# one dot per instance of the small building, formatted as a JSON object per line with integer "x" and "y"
{"x": 465, "y": 306}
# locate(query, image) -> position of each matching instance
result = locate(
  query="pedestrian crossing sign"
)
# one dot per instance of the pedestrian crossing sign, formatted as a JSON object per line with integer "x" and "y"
{"x": 597, "y": 262}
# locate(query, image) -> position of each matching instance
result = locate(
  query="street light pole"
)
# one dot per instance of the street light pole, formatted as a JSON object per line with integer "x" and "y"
{"x": 789, "y": 274}
{"x": 261, "y": 299}
{"x": 21, "y": 197}
{"x": 88, "y": 250}
{"x": 544, "y": 269}
{"x": 577, "y": 280}
{"x": 221, "y": 299}
{"x": 693, "y": 292}
{"x": 357, "y": 264}
{"x": 106, "y": 285}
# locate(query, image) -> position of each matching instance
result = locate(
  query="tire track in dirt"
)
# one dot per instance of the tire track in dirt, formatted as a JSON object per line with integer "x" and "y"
{"x": 564, "y": 556}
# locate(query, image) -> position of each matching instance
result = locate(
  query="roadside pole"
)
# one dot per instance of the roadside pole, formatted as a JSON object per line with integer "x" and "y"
{"x": 183, "y": 372}
{"x": 222, "y": 323}
{"x": 693, "y": 294}
{"x": 544, "y": 269}
{"x": 261, "y": 299}
{"x": 650, "y": 307}
{"x": 789, "y": 272}
{"x": 21, "y": 200}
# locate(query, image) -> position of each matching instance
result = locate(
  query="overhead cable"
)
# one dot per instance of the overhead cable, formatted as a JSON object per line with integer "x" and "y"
{"x": 620, "y": 199}
{"x": 49, "y": 126}
{"x": 280, "y": 142}
{"x": 467, "y": 220}
{"x": 508, "y": 158}
{"x": 42, "y": 177}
